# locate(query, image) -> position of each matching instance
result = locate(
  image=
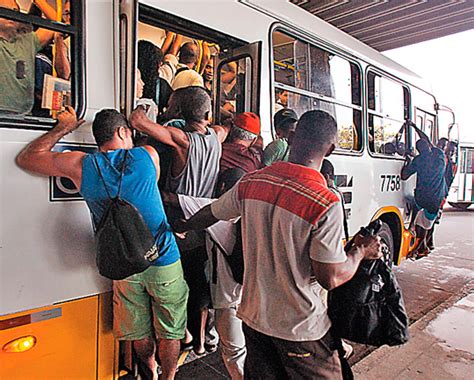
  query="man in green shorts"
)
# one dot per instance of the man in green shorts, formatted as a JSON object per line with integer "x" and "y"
{"x": 150, "y": 305}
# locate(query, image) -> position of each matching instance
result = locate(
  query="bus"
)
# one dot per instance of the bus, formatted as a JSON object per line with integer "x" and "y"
{"x": 460, "y": 194}
{"x": 55, "y": 309}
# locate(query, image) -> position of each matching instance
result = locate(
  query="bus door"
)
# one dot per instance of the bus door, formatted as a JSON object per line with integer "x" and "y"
{"x": 466, "y": 175}
{"x": 237, "y": 87}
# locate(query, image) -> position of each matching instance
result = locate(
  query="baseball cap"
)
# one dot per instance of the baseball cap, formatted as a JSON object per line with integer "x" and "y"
{"x": 285, "y": 114}
{"x": 248, "y": 121}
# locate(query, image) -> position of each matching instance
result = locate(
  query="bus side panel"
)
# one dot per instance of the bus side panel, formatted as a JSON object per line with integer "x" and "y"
{"x": 47, "y": 245}
{"x": 66, "y": 342}
{"x": 107, "y": 346}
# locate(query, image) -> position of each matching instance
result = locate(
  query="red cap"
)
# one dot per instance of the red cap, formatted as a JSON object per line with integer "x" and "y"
{"x": 248, "y": 121}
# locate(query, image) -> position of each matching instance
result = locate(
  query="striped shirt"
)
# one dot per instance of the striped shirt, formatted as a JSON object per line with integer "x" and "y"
{"x": 289, "y": 218}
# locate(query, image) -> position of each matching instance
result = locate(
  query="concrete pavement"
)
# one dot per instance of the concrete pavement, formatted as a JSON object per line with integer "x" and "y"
{"x": 441, "y": 346}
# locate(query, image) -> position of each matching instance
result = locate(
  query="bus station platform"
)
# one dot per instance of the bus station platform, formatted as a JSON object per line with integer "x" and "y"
{"x": 441, "y": 346}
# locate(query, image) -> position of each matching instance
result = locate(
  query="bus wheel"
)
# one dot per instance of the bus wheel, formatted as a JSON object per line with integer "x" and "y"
{"x": 386, "y": 238}
{"x": 460, "y": 206}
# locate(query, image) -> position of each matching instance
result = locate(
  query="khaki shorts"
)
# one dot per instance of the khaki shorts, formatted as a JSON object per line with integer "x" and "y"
{"x": 153, "y": 301}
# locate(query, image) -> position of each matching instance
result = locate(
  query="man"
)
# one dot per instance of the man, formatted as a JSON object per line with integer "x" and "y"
{"x": 147, "y": 304}
{"x": 18, "y": 48}
{"x": 185, "y": 74}
{"x": 196, "y": 149}
{"x": 239, "y": 152}
{"x": 221, "y": 242}
{"x": 208, "y": 75}
{"x": 293, "y": 259}
{"x": 195, "y": 152}
{"x": 284, "y": 122}
{"x": 430, "y": 167}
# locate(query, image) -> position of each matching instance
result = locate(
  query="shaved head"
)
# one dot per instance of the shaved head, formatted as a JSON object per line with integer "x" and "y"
{"x": 315, "y": 136}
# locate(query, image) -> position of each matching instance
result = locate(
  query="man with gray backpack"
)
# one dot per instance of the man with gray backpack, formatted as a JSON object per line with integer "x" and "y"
{"x": 120, "y": 182}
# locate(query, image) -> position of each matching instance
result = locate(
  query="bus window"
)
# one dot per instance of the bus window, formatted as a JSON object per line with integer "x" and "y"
{"x": 330, "y": 83}
{"x": 37, "y": 60}
{"x": 234, "y": 83}
{"x": 387, "y": 102}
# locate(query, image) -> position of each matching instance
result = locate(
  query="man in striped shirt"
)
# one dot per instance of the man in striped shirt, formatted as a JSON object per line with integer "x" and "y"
{"x": 293, "y": 254}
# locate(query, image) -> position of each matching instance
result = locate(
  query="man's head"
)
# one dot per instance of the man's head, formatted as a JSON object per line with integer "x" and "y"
{"x": 228, "y": 72}
{"x": 315, "y": 137}
{"x": 442, "y": 143}
{"x": 188, "y": 78}
{"x": 285, "y": 122}
{"x": 195, "y": 104}
{"x": 209, "y": 71}
{"x": 422, "y": 146}
{"x": 228, "y": 179}
{"x": 149, "y": 59}
{"x": 9, "y": 28}
{"x": 111, "y": 127}
{"x": 327, "y": 170}
{"x": 246, "y": 127}
{"x": 188, "y": 54}
{"x": 282, "y": 97}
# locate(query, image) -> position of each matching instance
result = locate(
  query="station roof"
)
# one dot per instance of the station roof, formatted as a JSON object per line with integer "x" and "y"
{"x": 386, "y": 25}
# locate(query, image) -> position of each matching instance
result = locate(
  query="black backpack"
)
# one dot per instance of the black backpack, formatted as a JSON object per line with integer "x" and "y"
{"x": 369, "y": 308}
{"x": 125, "y": 245}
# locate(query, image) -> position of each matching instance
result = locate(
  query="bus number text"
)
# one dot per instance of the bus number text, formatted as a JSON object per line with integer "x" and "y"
{"x": 390, "y": 182}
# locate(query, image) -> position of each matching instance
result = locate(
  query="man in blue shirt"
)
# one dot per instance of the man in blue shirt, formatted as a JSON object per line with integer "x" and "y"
{"x": 149, "y": 304}
{"x": 430, "y": 190}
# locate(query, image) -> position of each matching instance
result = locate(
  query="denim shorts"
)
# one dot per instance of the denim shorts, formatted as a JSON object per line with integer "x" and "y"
{"x": 151, "y": 303}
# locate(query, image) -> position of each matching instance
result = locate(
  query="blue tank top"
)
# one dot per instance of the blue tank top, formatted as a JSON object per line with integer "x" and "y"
{"x": 139, "y": 187}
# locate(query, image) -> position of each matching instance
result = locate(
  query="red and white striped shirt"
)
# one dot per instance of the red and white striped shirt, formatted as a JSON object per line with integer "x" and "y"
{"x": 289, "y": 218}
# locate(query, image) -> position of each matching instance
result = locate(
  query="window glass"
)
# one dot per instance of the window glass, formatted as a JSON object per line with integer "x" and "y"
{"x": 469, "y": 161}
{"x": 303, "y": 66}
{"x": 388, "y": 108}
{"x": 234, "y": 82}
{"x": 348, "y": 119}
{"x": 35, "y": 61}
{"x": 334, "y": 76}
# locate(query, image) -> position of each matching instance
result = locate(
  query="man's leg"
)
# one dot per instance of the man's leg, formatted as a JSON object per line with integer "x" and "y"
{"x": 232, "y": 341}
{"x": 168, "y": 351}
{"x": 133, "y": 320}
{"x": 145, "y": 350}
{"x": 169, "y": 295}
{"x": 262, "y": 361}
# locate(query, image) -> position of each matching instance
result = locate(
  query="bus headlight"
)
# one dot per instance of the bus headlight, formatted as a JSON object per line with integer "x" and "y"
{"x": 22, "y": 344}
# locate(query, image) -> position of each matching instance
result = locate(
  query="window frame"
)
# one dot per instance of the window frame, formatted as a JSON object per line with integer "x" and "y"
{"x": 320, "y": 44}
{"x": 406, "y": 91}
{"x": 75, "y": 30}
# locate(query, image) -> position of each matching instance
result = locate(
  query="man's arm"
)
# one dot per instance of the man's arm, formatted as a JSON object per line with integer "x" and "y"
{"x": 221, "y": 131}
{"x": 61, "y": 62}
{"x": 38, "y": 158}
{"x": 331, "y": 276}
{"x": 199, "y": 221}
{"x": 44, "y": 36}
{"x": 47, "y": 9}
{"x": 172, "y": 137}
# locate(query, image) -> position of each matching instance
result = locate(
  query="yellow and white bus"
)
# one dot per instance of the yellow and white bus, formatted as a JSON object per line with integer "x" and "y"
{"x": 55, "y": 310}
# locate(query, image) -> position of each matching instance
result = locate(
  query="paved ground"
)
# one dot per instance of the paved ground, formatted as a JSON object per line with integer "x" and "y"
{"x": 431, "y": 288}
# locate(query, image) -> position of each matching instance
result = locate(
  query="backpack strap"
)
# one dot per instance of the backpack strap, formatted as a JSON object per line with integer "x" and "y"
{"x": 102, "y": 177}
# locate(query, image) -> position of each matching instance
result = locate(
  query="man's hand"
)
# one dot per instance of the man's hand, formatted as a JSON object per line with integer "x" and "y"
{"x": 370, "y": 246}
{"x": 180, "y": 226}
{"x": 139, "y": 120}
{"x": 67, "y": 120}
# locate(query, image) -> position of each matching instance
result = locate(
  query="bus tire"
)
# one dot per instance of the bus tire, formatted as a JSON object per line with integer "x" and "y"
{"x": 388, "y": 246}
{"x": 460, "y": 206}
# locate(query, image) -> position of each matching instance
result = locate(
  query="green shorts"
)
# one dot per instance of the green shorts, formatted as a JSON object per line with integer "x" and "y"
{"x": 153, "y": 301}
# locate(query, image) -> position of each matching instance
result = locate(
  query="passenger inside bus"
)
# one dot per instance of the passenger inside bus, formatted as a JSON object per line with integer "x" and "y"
{"x": 27, "y": 56}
